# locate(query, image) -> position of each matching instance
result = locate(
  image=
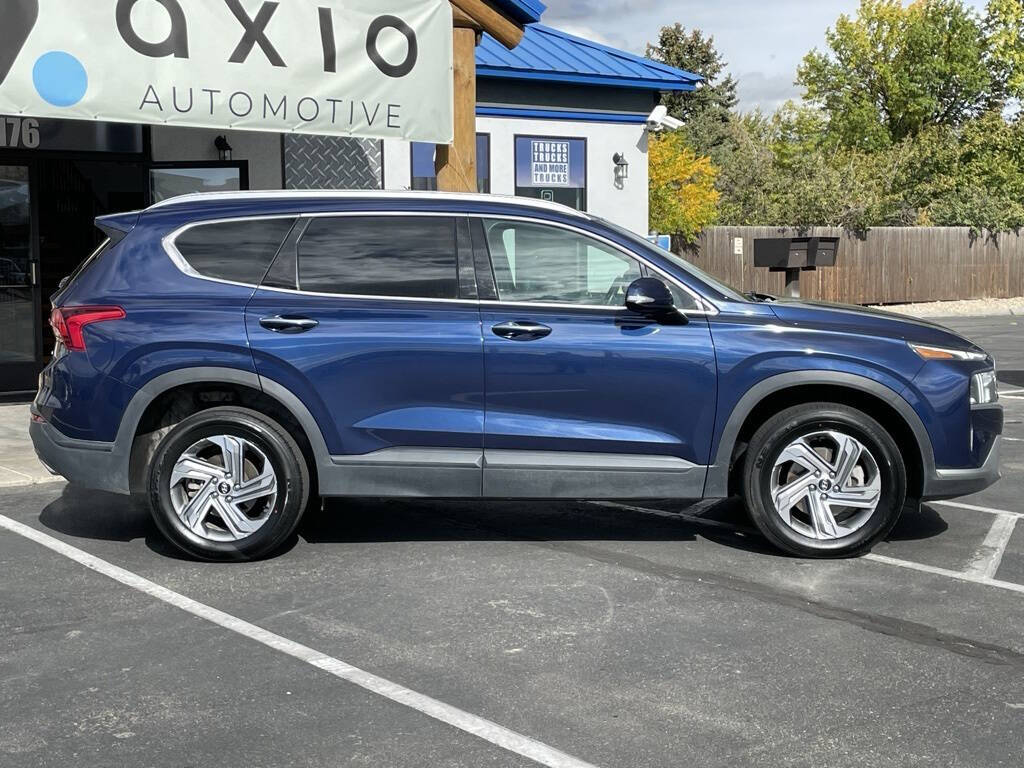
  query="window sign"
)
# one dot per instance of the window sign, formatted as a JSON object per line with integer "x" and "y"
{"x": 552, "y": 168}
{"x": 549, "y": 163}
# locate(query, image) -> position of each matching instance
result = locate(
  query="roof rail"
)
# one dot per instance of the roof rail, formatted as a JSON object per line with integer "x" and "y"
{"x": 356, "y": 194}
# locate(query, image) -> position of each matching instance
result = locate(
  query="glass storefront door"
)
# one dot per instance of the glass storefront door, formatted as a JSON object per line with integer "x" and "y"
{"x": 18, "y": 282}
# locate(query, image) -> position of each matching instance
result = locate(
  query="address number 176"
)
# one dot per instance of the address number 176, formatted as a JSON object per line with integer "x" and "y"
{"x": 18, "y": 132}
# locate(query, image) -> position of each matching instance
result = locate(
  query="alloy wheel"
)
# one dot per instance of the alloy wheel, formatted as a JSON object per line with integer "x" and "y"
{"x": 223, "y": 488}
{"x": 825, "y": 485}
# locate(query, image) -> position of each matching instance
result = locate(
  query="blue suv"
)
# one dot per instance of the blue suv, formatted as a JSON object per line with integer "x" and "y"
{"x": 232, "y": 357}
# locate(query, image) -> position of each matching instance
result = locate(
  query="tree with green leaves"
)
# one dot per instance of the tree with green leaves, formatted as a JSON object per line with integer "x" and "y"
{"x": 893, "y": 70}
{"x": 1004, "y": 28}
{"x": 707, "y": 110}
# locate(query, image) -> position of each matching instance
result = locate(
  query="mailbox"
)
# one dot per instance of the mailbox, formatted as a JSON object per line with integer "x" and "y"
{"x": 793, "y": 255}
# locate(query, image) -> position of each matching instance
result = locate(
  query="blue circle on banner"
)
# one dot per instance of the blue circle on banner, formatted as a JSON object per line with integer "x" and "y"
{"x": 60, "y": 78}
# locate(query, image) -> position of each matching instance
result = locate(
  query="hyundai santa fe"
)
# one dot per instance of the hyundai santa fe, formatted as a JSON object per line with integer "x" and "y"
{"x": 232, "y": 357}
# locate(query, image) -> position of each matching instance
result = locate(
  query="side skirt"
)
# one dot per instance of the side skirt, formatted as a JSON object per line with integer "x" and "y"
{"x": 469, "y": 473}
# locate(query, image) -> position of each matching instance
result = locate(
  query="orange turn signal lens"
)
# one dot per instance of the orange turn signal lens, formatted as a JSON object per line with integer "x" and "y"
{"x": 942, "y": 353}
{"x": 933, "y": 353}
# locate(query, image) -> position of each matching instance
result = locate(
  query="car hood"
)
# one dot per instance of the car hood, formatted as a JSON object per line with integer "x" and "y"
{"x": 862, "y": 320}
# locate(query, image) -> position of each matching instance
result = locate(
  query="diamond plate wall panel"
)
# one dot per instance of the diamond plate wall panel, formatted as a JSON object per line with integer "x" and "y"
{"x": 332, "y": 162}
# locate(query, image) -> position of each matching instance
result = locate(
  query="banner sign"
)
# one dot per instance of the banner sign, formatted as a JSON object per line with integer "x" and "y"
{"x": 550, "y": 162}
{"x": 371, "y": 68}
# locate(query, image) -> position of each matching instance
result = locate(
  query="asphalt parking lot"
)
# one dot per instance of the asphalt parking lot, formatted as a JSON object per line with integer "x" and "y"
{"x": 500, "y": 634}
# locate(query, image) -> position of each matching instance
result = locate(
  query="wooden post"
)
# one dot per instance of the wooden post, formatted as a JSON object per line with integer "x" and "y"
{"x": 456, "y": 163}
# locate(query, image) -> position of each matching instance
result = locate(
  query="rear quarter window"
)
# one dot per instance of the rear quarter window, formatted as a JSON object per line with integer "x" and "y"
{"x": 238, "y": 251}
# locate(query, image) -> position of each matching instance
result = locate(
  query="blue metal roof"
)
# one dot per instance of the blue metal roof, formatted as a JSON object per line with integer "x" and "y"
{"x": 523, "y": 11}
{"x": 551, "y": 55}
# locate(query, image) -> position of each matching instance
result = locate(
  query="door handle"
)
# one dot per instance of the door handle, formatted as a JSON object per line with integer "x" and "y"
{"x": 288, "y": 325}
{"x": 521, "y": 331}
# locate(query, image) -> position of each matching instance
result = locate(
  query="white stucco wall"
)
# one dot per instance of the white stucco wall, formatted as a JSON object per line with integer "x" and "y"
{"x": 627, "y": 206}
{"x": 262, "y": 150}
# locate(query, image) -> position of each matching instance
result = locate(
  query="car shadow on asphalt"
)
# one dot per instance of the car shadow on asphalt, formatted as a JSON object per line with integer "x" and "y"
{"x": 725, "y": 523}
{"x": 86, "y": 514}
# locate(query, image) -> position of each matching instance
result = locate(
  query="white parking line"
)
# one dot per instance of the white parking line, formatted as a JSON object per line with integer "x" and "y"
{"x": 975, "y": 508}
{"x": 1012, "y": 392}
{"x": 991, "y": 550}
{"x": 477, "y": 726}
{"x": 990, "y": 554}
{"x": 958, "y": 575}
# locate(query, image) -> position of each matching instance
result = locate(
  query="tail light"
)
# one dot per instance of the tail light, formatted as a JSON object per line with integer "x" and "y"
{"x": 69, "y": 322}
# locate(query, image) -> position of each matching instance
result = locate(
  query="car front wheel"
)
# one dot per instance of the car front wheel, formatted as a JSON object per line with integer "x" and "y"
{"x": 228, "y": 484}
{"x": 824, "y": 480}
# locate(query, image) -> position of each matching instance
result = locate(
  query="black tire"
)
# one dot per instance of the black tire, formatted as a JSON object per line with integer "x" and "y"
{"x": 772, "y": 438}
{"x": 285, "y": 457}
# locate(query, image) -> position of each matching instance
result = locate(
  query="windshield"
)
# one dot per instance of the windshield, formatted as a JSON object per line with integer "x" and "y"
{"x": 726, "y": 291}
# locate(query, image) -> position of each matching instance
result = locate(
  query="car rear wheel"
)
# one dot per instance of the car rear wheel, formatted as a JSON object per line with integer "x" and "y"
{"x": 228, "y": 484}
{"x": 824, "y": 480}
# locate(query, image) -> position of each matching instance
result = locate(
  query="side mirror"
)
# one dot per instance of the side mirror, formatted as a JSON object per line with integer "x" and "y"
{"x": 650, "y": 297}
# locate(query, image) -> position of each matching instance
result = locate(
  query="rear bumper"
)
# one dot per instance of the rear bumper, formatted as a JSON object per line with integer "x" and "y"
{"x": 951, "y": 483}
{"x": 82, "y": 462}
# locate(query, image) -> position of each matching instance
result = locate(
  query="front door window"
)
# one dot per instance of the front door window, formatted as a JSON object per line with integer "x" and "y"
{"x": 534, "y": 263}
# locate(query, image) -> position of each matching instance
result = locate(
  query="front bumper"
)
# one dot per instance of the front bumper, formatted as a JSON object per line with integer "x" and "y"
{"x": 83, "y": 462}
{"x": 951, "y": 483}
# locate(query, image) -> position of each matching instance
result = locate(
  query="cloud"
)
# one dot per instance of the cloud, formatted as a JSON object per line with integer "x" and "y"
{"x": 767, "y": 91}
{"x": 587, "y": 33}
{"x": 761, "y": 42}
{"x": 589, "y": 9}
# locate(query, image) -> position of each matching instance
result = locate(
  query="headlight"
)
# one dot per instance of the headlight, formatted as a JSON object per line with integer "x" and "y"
{"x": 943, "y": 353}
{"x": 984, "y": 389}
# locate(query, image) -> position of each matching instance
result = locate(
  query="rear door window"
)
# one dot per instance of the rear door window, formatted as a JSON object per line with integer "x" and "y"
{"x": 238, "y": 251}
{"x": 397, "y": 256}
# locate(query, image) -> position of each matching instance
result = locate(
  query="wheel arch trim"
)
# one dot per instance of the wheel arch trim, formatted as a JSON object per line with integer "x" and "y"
{"x": 717, "y": 485}
{"x": 126, "y": 433}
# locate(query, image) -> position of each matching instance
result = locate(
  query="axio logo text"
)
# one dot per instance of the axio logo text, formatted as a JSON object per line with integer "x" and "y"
{"x": 254, "y": 33}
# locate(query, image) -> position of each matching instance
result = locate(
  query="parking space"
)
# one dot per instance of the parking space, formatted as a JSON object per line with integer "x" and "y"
{"x": 517, "y": 634}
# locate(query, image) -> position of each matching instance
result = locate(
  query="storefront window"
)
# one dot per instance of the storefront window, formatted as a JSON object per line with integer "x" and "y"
{"x": 424, "y": 177}
{"x": 165, "y": 183}
{"x": 17, "y": 299}
{"x": 552, "y": 168}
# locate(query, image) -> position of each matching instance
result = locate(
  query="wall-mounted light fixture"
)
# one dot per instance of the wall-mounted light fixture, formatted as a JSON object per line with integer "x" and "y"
{"x": 621, "y": 166}
{"x": 223, "y": 148}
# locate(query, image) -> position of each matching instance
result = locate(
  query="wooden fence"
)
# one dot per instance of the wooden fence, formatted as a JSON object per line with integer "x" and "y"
{"x": 890, "y": 265}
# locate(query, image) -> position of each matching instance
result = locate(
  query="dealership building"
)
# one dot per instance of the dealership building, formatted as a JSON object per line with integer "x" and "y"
{"x": 558, "y": 118}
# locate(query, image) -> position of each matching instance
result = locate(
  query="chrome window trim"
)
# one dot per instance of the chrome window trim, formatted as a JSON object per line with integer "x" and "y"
{"x": 169, "y": 242}
{"x": 709, "y": 308}
{"x": 170, "y": 248}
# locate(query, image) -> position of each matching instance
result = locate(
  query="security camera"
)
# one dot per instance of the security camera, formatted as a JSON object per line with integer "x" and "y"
{"x": 661, "y": 120}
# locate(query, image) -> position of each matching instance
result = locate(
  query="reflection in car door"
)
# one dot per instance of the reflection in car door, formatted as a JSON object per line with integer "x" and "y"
{"x": 583, "y": 397}
{"x": 370, "y": 321}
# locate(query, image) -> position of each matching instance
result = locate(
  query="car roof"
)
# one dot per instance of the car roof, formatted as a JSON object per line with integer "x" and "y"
{"x": 452, "y": 200}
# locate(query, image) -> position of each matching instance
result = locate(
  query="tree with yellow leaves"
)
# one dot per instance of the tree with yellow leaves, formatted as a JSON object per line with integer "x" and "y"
{"x": 682, "y": 188}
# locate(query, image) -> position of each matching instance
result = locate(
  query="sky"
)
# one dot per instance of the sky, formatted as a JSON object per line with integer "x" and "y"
{"x": 762, "y": 41}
